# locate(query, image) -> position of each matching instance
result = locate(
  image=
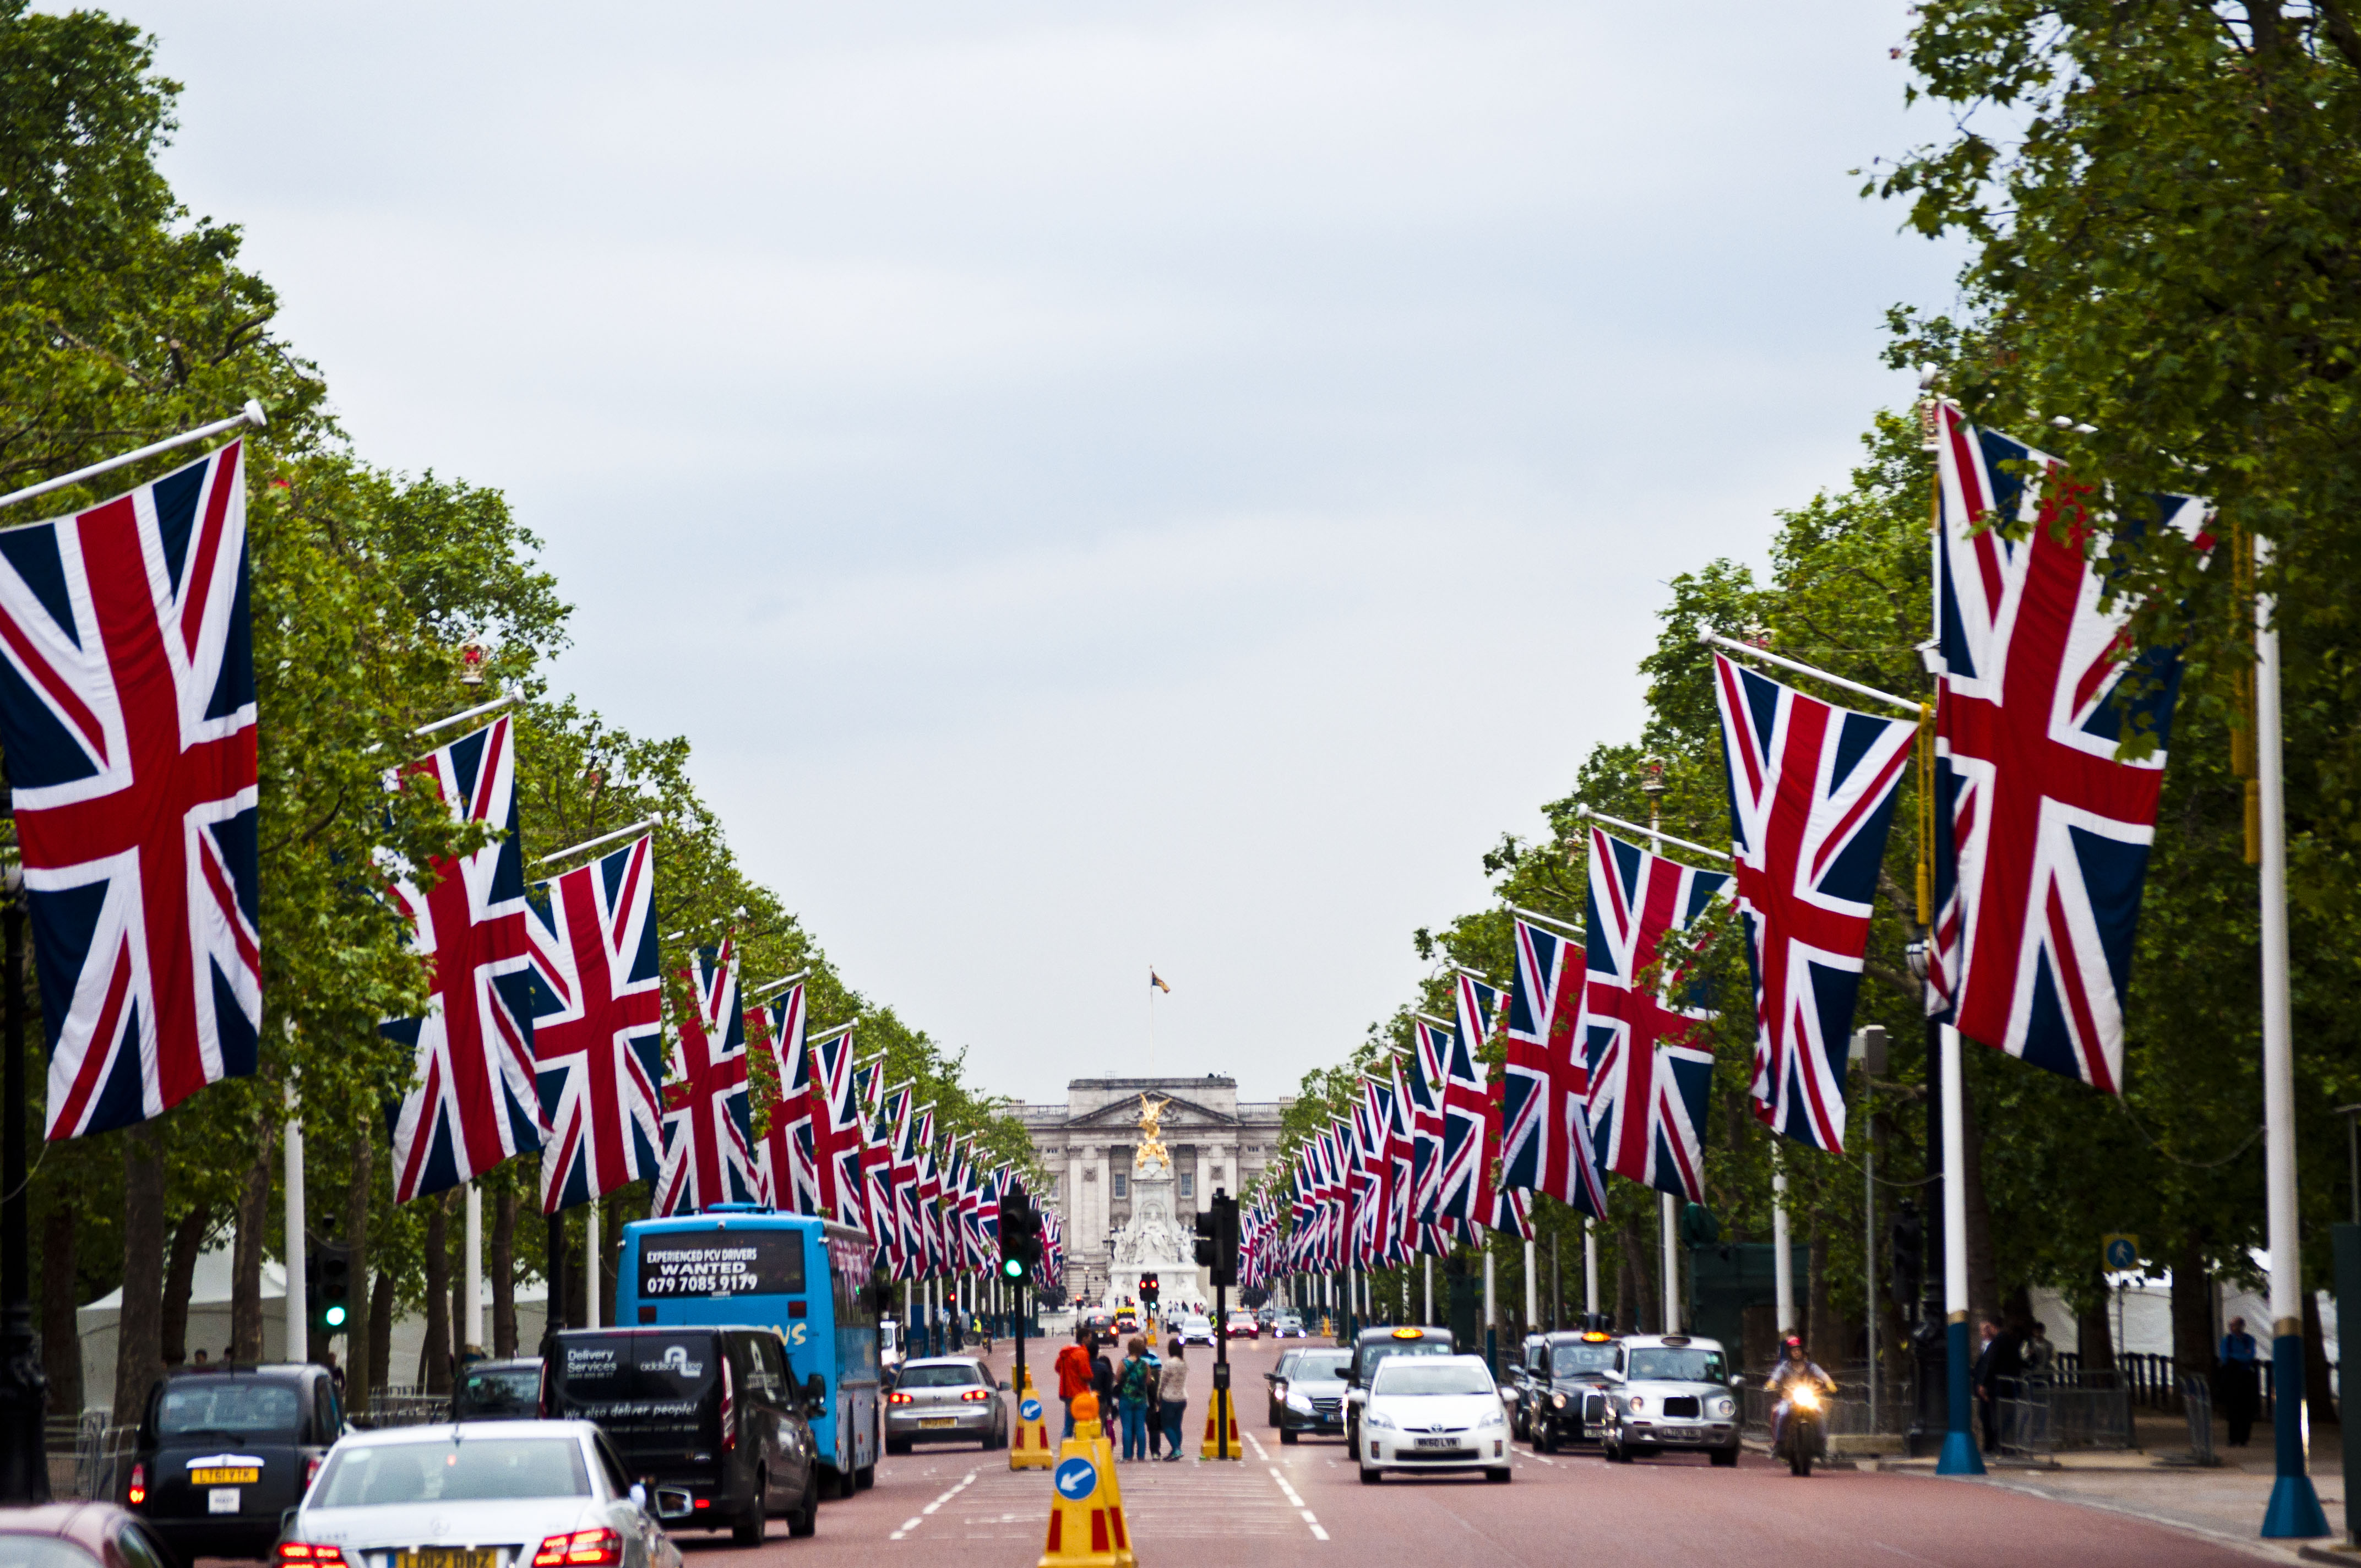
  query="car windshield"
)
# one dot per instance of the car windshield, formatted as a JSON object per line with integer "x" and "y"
{"x": 505, "y": 1388}
{"x": 1667, "y": 1364}
{"x": 1321, "y": 1368}
{"x": 1449, "y": 1378}
{"x": 474, "y": 1469}
{"x": 1573, "y": 1360}
{"x": 1373, "y": 1353}
{"x": 939, "y": 1377}
{"x": 228, "y": 1406}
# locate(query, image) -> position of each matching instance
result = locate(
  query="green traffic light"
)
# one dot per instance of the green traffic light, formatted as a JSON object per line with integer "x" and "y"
{"x": 1012, "y": 1268}
{"x": 333, "y": 1317}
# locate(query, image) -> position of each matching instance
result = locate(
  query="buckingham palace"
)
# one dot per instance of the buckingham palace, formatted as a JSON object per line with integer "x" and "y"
{"x": 1086, "y": 1146}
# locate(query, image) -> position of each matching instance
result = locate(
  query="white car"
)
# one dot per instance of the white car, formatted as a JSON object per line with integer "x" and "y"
{"x": 476, "y": 1495}
{"x": 1671, "y": 1391}
{"x": 1196, "y": 1328}
{"x": 1433, "y": 1412}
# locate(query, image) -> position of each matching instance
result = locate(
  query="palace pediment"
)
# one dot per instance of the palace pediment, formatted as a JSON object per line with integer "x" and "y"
{"x": 1179, "y": 1112}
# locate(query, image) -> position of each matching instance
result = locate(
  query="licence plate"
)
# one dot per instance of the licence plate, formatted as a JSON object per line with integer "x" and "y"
{"x": 239, "y": 1478}
{"x": 447, "y": 1557}
{"x": 1438, "y": 1443}
{"x": 222, "y": 1500}
{"x": 937, "y": 1421}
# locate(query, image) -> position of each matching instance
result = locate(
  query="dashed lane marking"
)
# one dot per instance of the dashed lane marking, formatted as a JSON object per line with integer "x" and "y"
{"x": 1296, "y": 1501}
{"x": 918, "y": 1519}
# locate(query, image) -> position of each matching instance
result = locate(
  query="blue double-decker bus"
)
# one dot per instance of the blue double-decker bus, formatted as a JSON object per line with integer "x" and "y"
{"x": 808, "y": 1279}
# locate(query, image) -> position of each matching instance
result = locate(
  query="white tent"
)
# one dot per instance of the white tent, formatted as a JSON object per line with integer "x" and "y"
{"x": 209, "y": 1300}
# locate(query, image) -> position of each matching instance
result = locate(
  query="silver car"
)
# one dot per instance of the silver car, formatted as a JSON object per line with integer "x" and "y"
{"x": 945, "y": 1398}
{"x": 475, "y": 1495}
{"x": 1671, "y": 1392}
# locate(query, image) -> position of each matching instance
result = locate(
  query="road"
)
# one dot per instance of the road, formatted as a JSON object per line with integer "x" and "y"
{"x": 1304, "y": 1505}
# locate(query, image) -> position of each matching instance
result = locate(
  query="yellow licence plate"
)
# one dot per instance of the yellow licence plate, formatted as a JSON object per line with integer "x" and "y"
{"x": 243, "y": 1478}
{"x": 937, "y": 1421}
{"x": 447, "y": 1557}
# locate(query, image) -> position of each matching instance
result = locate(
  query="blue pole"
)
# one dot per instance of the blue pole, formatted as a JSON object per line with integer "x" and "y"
{"x": 2294, "y": 1510}
{"x": 1960, "y": 1456}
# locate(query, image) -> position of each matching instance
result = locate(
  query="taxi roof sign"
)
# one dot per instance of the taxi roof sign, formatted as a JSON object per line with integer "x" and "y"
{"x": 1409, "y": 1333}
{"x": 1594, "y": 1336}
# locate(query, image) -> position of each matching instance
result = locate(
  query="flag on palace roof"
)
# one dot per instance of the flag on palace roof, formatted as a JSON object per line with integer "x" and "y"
{"x": 127, "y": 714}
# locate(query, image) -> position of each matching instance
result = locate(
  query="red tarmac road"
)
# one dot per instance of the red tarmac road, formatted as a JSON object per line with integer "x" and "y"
{"x": 1305, "y": 1505}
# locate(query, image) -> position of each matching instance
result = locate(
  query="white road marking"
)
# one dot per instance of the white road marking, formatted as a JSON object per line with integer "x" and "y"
{"x": 1258, "y": 1447}
{"x": 1539, "y": 1459}
{"x": 1317, "y": 1534}
{"x": 912, "y": 1523}
{"x": 1283, "y": 1487}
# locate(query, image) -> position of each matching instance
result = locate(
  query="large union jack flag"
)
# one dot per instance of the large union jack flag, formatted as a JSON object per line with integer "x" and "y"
{"x": 1464, "y": 1189}
{"x": 126, "y": 709}
{"x": 836, "y": 1128}
{"x": 2042, "y": 832}
{"x": 1648, "y": 1079}
{"x": 782, "y": 1156}
{"x": 1545, "y": 1143}
{"x": 597, "y": 1039}
{"x": 1430, "y": 1050}
{"x": 474, "y": 1101}
{"x": 709, "y": 1124}
{"x": 1811, "y": 798}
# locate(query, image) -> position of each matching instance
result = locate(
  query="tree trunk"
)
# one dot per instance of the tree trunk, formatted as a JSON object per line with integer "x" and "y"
{"x": 1644, "y": 1294}
{"x": 2192, "y": 1311}
{"x": 1820, "y": 1330}
{"x": 139, "y": 1340}
{"x": 2094, "y": 1332}
{"x": 1983, "y": 1270}
{"x": 363, "y": 1375}
{"x": 61, "y": 1336}
{"x": 435, "y": 1355}
{"x": 246, "y": 1258}
{"x": 380, "y": 1318}
{"x": 180, "y": 1280}
{"x": 503, "y": 1267}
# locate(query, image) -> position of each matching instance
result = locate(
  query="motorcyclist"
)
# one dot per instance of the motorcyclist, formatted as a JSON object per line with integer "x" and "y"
{"x": 1795, "y": 1368}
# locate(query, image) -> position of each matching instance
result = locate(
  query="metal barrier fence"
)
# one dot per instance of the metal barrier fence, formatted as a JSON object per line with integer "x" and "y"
{"x": 2197, "y": 1400}
{"x": 1842, "y": 1416}
{"x": 2047, "y": 1417}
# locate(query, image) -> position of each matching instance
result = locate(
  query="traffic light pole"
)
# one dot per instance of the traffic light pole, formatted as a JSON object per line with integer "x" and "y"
{"x": 1221, "y": 1371}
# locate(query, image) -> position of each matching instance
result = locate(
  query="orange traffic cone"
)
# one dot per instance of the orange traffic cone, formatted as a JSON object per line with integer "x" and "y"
{"x": 1029, "y": 1445}
{"x": 1086, "y": 1528}
{"x": 1226, "y": 1414}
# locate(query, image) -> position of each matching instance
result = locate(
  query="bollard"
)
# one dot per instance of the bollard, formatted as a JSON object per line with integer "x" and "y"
{"x": 1029, "y": 1445}
{"x": 1086, "y": 1525}
{"x": 1220, "y": 1409}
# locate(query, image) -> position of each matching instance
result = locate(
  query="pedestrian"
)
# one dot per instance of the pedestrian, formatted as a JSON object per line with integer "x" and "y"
{"x": 335, "y": 1375}
{"x": 2237, "y": 1372}
{"x": 1980, "y": 1376}
{"x": 1155, "y": 1412}
{"x": 201, "y": 1357}
{"x": 1172, "y": 1400}
{"x": 1131, "y": 1399}
{"x": 1073, "y": 1369}
{"x": 2040, "y": 1355}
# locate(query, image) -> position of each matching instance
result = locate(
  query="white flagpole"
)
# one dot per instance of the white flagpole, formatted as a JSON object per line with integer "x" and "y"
{"x": 299, "y": 1301}
{"x": 251, "y": 414}
{"x": 590, "y": 1254}
{"x": 472, "y": 1332}
{"x": 1532, "y": 1291}
{"x": 1783, "y": 1261}
{"x": 1589, "y": 1267}
{"x": 1960, "y": 1455}
{"x": 1715, "y": 640}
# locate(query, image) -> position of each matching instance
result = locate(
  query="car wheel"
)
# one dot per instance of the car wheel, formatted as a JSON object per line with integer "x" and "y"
{"x": 1726, "y": 1457}
{"x": 995, "y": 1439}
{"x": 847, "y": 1483}
{"x": 897, "y": 1445}
{"x": 1545, "y": 1439}
{"x": 804, "y": 1518}
{"x": 749, "y": 1527}
{"x": 1289, "y": 1436}
{"x": 1498, "y": 1477}
{"x": 1369, "y": 1477}
{"x": 1802, "y": 1463}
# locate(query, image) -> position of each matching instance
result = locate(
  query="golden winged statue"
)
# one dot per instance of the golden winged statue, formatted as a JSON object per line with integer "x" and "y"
{"x": 1152, "y": 1144}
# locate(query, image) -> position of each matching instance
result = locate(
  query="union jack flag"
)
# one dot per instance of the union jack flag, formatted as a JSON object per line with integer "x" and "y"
{"x": 1648, "y": 1082}
{"x": 836, "y": 1126}
{"x": 1431, "y": 1048}
{"x": 1401, "y": 1158}
{"x": 1466, "y": 1185}
{"x": 708, "y": 1125}
{"x": 1811, "y": 797}
{"x": 126, "y": 709}
{"x": 597, "y": 1037}
{"x": 1545, "y": 1143}
{"x": 2042, "y": 832}
{"x": 782, "y": 1155}
{"x": 475, "y": 1103}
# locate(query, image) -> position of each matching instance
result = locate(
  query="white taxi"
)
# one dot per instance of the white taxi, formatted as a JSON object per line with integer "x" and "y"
{"x": 1433, "y": 1412}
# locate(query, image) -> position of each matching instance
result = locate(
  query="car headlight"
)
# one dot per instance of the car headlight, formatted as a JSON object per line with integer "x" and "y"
{"x": 1557, "y": 1401}
{"x": 1300, "y": 1403}
{"x": 1377, "y": 1419}
{"x": 1725, "y": 1407}
{"x": 1491, "y": 1419}
{"x": 1637, "y": 1403}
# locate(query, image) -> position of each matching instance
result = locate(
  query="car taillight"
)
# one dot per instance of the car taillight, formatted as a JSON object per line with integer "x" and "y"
{"x": 583, "y": 1549}
{"x": 729, "y": 1409}
{"x": 138, "y": 1484}
{"x": 976, "y": 1395}
{"x": 312, "y": 1469}
{"x": 309, "y": 1553}
{"x": 897, "y": 1398}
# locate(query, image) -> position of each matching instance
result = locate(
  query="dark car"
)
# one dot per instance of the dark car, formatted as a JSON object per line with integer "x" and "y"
{"x": 224, "y": 1451}
{"x": 78, "y": 1535}
{"x": 1373, "y": 1345}
{"x": 1102, "y": 1327}
{"x": 498, "y": 1391}
{"x": 705, "y": 1417}
{"x": 1310, "y": 1397}
{"x": 1563, "y": 1398}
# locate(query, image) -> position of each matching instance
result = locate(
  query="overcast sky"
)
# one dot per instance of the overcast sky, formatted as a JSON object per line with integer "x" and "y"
{"x": 1098, "y": 484}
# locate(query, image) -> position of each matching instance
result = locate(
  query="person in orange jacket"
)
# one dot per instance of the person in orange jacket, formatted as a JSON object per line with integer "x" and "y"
{"x": 1074, "y": 1376}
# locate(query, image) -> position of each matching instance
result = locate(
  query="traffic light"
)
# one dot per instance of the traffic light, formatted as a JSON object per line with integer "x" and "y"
{"x": 1909, "y": 1235}
{"x": 1205, "y": 1242}
{"x": 330, "y": 1285}
{"x": 1224, "y": 1261}
{"x": 1148, "y": 1291}
{"x": 1020, "y": 1235}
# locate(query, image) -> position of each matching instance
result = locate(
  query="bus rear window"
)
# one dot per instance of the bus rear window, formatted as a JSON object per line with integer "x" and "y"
{"x": 714, "y": 1262}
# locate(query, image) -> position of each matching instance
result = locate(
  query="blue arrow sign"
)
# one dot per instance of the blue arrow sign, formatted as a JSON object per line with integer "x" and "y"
{"x": 1030, "y": 1409}
{"x": 1076, "y": 1479}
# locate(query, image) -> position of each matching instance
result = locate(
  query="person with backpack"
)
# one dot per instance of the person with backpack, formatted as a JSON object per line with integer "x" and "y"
{"x": 1131, "y": 1399}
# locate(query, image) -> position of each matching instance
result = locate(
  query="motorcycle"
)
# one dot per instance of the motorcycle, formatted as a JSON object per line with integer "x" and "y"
{"x": 1802, "y": 1439}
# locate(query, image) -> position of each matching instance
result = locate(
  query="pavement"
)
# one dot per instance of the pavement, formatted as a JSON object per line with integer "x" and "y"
{"x": 1304, "y": 1503}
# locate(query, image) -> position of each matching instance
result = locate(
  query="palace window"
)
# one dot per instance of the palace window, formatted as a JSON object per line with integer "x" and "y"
{"x": 1122, "y": 1185}
{"x": 1188, "y": 1184}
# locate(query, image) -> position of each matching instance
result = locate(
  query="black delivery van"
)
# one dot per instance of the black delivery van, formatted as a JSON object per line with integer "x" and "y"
{"x": 705, "y": 1418}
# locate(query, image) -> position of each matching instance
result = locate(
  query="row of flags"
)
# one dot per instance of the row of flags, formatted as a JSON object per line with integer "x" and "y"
{"x": 129, "y": 718}
{"x": 2040, "y": 833}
